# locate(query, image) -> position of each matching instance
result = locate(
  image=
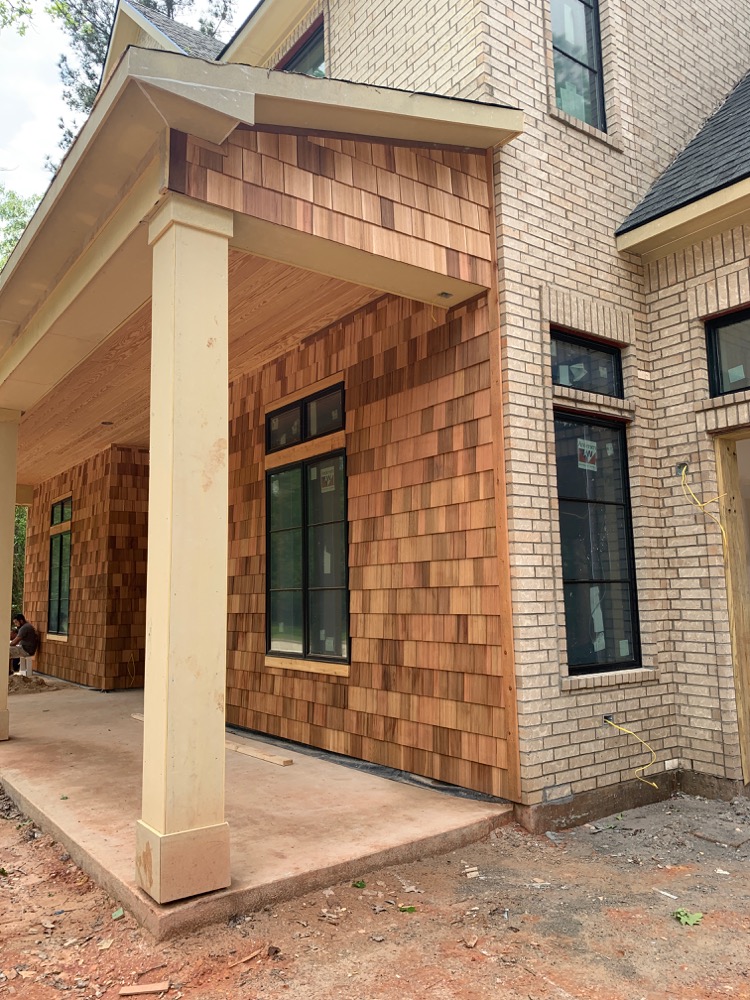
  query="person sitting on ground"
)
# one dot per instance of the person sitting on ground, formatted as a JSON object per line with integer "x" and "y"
{"x": 26, "y": 641}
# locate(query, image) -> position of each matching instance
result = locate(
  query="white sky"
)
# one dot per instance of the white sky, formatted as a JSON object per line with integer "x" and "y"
{"x": 31, "y": 102}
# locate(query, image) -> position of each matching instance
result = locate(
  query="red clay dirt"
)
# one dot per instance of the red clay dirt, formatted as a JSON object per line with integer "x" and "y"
{"x": 578, "y": 915}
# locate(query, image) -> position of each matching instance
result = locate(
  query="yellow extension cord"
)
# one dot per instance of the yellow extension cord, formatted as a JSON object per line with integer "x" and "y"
{"x": 701, "y": 505}
{"x": 643, "y": 767}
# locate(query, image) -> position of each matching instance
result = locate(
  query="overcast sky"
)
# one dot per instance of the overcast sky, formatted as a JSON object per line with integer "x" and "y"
{"x": 30, "y": 101}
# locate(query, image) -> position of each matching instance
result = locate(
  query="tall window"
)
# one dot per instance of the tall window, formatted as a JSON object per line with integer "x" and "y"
{"x": 59, "y": 567}
{"x": 577, "y": 57}
{"x": 728, "y": 346}
{"x": 586, "y": 364}
{"x": 597, "y": 544}
{"x": 307, "y": 566}
{"x": 309, "y": 55}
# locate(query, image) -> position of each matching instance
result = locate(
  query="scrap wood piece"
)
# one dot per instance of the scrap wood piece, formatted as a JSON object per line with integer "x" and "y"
{"x": 270, "y": 758}
{"x": 134, "y": 991}
{"x": 250, "y": 957}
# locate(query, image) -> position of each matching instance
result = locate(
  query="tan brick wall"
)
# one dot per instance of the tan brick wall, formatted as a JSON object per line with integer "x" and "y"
{"x": 107, "y": 625}
{"x": 561, "y": 190}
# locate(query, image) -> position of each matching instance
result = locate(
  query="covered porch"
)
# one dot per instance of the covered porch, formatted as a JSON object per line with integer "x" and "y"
{"x": 220, "y": 243}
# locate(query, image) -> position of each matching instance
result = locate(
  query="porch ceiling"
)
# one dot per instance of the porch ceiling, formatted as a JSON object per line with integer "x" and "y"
{"x": 272, "y": 307}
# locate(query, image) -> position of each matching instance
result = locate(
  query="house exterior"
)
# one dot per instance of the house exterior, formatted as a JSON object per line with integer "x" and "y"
{"x": 472, "y": 361}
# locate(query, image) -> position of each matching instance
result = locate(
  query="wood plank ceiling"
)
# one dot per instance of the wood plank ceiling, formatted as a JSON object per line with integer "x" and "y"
{"x": 272, "y": 307}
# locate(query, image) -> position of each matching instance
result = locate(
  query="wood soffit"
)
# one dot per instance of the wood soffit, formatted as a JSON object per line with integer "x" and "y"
{"x": 272, "y": 307}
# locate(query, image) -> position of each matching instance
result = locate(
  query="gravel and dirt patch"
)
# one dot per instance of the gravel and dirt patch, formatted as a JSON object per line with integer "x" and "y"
{"x": 586, "y": 913}
{"x": 21, "y": 684}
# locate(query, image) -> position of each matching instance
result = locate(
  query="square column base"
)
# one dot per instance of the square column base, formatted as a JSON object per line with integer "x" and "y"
{"x": 171, "y": 866}
{"x": 4, "y": 724}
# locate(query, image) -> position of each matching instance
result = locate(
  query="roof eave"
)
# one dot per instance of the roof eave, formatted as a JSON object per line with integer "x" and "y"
{"x": 264, "y": 30}
{"x": 689, "y": 224}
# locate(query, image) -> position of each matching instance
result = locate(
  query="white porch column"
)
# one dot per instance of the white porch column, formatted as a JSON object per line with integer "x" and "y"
{"x": 182, "y": 840}
{"x": 8, "y": 461}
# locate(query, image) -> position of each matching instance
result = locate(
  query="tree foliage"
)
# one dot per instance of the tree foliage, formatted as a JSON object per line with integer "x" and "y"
{"x": 15, "y": 212}
{"x": 19, "y": 560}
{"x": 88, "y": 24}
{"x": 15, "y": 15}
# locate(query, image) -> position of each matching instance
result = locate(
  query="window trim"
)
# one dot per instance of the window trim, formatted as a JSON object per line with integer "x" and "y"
{"x": 594, "y": 343}
{"x": 306, "y": 658}
{"x": 317, "y": 27}
{"x": 636, "y": 660}
{"x": 596, "y": 67}
{"x": 711, "y": 328}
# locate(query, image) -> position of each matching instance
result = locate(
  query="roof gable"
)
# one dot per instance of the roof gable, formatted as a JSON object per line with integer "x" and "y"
{"x": 718, "y": 156}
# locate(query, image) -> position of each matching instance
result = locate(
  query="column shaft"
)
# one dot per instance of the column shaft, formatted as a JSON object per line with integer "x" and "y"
{"x": 182, "y": 838}
{"x": 8, "y": 461}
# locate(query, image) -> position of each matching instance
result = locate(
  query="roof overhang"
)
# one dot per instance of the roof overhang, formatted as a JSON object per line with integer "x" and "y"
{"x": 90, "y": 223}
{"x": 701, "y": 219}
{"x": 264, "y": 30}
{"x": 129, "y": 27}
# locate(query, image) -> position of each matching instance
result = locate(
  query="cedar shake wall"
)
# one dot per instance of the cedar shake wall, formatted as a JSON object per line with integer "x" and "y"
{"x": 105, "y": 645}
{"x": 425, "y": 690}
{"x": 426, "y": 207}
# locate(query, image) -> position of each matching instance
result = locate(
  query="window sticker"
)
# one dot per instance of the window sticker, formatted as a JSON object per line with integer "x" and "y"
{"x": 736, "y": 373}
{"x": 624, "y": 648}
{"x": 586, "y": 455}
{"x": 328, "y": 479}
{"x": 329, "y": 645}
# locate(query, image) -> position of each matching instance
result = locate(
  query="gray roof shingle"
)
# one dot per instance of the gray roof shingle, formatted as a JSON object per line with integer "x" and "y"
{"x": 718, "y": 156}
{"x": 192, "y": 42}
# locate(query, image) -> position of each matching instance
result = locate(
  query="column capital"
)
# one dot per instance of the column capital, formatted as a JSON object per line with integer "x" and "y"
{"x": 177, "y": 209}
{"x": 10, "y": 416}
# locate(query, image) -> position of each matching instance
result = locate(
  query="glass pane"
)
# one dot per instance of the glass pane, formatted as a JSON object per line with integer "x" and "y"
{"x": 329, "y": 625}
{"x": 67, "y": 509}
{"x": 325, "y": 414}
{"x": 62, "y": 627}
{"x": 594, "y": 539}
{"x": 285, "y": 564}
{"x": 599, "y": 624}
{"x": 325, "y": 490}
{"x": 326, "y": 553}
{"x": 576, "y": 90}
{"x": 285, "y": 614}
{"x": 56, "y": 513}
{"x": 65, "y": 566}
{"x": 285, "y": 499}
{"x": 732, "y": 341}
{"x": 590, "y": 462}
{"x": 572, "y": 27}
{"x": 53, "y": 611}
{"x": 311, "y": 59}
{"x": 581, "y": 365}
{"x": 284, "y": 428}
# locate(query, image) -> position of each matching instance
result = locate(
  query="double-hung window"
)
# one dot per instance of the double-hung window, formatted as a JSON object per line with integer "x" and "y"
{"x": 59, "y": 567}
{"x": 576, "y": 49}
{"x": 306, "y": 551}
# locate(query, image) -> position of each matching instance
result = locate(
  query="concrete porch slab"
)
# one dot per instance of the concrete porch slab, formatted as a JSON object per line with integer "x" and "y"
{"x": 73, "y": 765}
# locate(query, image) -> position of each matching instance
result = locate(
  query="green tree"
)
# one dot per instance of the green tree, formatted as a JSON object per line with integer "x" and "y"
{"x": 15, "y": 212}
{"x": 15, "y": 15}
{"x": 88, "y": 24}
{"x": 19, "y": 560}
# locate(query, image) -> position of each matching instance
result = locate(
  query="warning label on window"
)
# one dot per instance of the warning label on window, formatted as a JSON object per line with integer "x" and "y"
{"x": 587, "y": 455}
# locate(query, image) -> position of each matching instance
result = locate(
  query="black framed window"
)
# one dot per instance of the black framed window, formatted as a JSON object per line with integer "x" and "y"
{"x": 59, "y": 568}
{"x": 586, "y": 364}
{"x": 728, "y": 349}
{"x": 576, "y": 49}
{"x": 596, "y": 538}
{"x": 306, "y": 562}
{"x": 308, "y": 58}
{"x": 306, "y": 419}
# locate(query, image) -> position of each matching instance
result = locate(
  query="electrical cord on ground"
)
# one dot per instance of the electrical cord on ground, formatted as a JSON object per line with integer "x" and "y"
{"x": 701, "y": 505}
{"x": 643, "y": 767}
